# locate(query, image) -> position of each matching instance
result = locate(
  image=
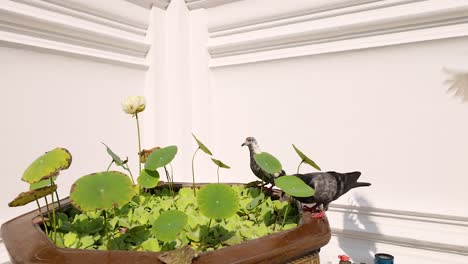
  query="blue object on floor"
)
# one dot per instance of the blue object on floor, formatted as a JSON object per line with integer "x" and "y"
{"x": 382, "y": 258}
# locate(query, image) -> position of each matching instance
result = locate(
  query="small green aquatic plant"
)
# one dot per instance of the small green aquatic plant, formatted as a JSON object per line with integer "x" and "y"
{"x": 305, "y": 159}
{"x": 220, "y": 164}
{"x": 202, "y": 147}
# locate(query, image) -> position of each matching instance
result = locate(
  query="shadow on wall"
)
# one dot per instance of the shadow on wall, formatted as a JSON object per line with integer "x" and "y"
{"x": 360, "y": 251}
{"x": 457, "y": 82}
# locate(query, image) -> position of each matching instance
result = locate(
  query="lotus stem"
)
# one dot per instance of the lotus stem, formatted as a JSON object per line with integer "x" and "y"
{"x": 170, "y": 181}
{"x": 48, "y": 210}
{"x": 110, "y": 164}
{"x": 193, "y": 171}
{"x": 172, "y": 172}
{"x": 139, "y": 141}
{"x": 209, "y": 225}
{"x": 217, "y": 172}
{"x": 298, "y": 167}
{"x": 53, "y": 214}
{"x": 56, "y": 194}
{"x": 106, "y": 234}
{"x": 42, "y": 216}
{"x": 58, "y": 200}
{"x": 285, "y": 215}
{"x": 130, "y": 172}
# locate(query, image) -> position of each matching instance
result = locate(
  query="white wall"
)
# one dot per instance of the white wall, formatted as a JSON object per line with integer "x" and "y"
{"x": 357, "y": 85}
{"x": 60, "y": 92}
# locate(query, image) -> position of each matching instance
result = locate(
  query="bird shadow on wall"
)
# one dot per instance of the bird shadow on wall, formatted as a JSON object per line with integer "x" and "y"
{"x": 360, "y": 251}
{"x": 457, "y": 82}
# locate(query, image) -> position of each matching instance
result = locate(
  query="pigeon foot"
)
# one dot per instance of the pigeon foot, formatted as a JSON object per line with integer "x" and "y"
{"x": 320, "y": 215}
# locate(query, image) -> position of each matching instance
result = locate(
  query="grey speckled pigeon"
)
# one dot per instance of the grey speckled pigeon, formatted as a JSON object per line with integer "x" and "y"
{"x": 328, "y": 186}
{"x": 262, "y": 175}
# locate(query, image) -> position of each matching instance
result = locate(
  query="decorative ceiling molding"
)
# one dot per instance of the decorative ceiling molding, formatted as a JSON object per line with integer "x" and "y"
{"x": 120, "y": 11}
{"x": 31, "y": 27}
{"x": 297, "y": 16}
{"x": 163, "y": 4}
{"x": 246, "y": 14}
{"x": 366, "y": 27}
{"x": 95, "y": 16}
{"x": 196, "y": 4}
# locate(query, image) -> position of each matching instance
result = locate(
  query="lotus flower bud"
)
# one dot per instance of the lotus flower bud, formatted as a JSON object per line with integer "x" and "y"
{"x": 134, "y": 104}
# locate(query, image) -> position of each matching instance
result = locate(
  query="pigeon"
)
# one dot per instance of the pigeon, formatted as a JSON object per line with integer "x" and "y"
{"x": 261, "y": 174}
{"x": 328, "y": 187}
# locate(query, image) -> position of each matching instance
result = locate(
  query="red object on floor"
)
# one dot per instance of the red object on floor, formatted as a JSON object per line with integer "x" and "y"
{"x": 343, "y": 258}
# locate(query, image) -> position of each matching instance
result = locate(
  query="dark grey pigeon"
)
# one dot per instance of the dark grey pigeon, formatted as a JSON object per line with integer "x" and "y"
{"x": 329, "y": 186}
{"x": 261, "y": 174}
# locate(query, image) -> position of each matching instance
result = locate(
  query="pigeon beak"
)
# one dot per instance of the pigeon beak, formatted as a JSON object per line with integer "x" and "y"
{"x": 243, "y": 144}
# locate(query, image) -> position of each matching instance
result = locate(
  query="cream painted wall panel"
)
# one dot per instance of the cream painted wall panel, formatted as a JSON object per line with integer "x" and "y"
{"x": 382, "y": 111}
{"x": 50, "y": 101}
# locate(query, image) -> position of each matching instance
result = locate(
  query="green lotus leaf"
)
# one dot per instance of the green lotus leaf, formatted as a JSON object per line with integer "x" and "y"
{"x": 220, "y": 164}
{"x": 42, "y": 183}
{"x": 294, "y": 186}
{"x": 306, "y": 159}
{"x": 268, "y": 162}
{"x": 160, "y": 157}
{"x": 169, "y": 224}
{"x": 255, "y": 201}
{"x": 148, "y": 179}
{"x": 202, "y": 146}
{"x": 101, "y": 191}
{"x": 217, "y": 201}
{"x": 114, "y": 156}
{"x": 27, "y": 197}
{"x": 47, "y": 165}
{"x": 151, "y": 244}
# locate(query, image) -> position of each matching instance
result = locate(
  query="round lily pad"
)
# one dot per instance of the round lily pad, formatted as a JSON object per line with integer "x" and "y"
{"x": 148, "y": 178}
{"x": 306, "y": 159}
{"x": 27, "y": 197}
{"x": 169, "y": 224}
{"x": 294, "y": 186}
{"x": 160, "y": 157}
{"x": 101, "y": 191}
{"x": 218, "y": 201}
{"x": 48, "y": 165}
{"x": 268, "y": 162}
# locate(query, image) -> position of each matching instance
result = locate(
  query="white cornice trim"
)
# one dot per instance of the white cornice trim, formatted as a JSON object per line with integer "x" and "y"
{"x": 115, "y": 12}
{"x": 381, "y": 26}
{"x": 31, "y": 27}
{"x": 108, "y": 20}
{"x": 195, "y": 4}
{"x": 401, "y": 241}
{"x": 310, "y": 14}
{"x": 401, "y": 214}
{"x": 402, "y": 228}
{"x": 163, "y": 4}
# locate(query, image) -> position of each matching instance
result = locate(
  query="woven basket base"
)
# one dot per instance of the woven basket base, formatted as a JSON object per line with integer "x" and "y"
{"x": 309, "y": 259}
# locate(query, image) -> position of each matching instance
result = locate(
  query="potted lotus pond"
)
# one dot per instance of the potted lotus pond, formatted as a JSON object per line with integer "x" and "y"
{"x": 112, "y": 217}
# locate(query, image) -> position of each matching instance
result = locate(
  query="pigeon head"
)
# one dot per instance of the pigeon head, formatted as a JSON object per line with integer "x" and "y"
{"x": 252, "y": 143}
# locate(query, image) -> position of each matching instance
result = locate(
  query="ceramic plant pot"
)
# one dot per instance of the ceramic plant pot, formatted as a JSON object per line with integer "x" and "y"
{"x": 27, "y": 243}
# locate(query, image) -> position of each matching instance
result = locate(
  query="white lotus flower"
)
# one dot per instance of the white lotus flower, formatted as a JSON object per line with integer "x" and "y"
{"x": 458, "y": 82}
{"x": 134, "y": 104}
